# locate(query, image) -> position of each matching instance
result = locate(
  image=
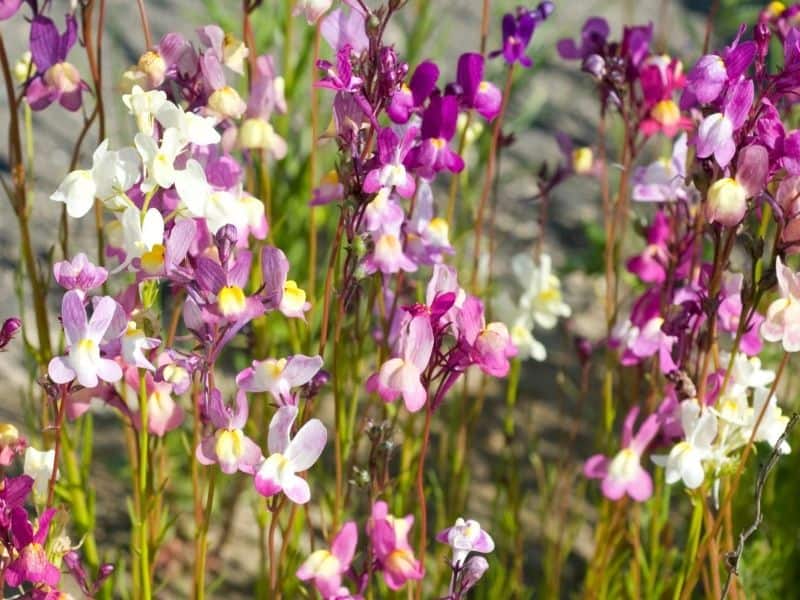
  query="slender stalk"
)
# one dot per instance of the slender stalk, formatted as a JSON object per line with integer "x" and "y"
{"x": 60, "y": 410}
{"x": 312, "y": 169}
{"x": 490, "y": 174}
{"x": 423, "y": 508}
{"x": 202, "y": 538}
{"x": 144, "y": 459}
{"x": 148, "y": 38}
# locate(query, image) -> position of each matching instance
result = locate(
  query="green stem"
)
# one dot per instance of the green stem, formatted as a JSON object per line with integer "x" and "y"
{"x": 202, "y": 539}
{"x": 144, "y": 441}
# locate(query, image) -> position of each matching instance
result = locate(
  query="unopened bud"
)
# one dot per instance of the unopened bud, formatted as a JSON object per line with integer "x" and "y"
{"x": 727, "y": 202}
{"x": 227, "y": 103}
{"x": 471, "y": 573}
{"x": 154, "y": 68}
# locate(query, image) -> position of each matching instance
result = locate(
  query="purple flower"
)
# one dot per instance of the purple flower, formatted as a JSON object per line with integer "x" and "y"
{"x": 388, "y": 255}
{"x": 517, "y": 32}
{"x": 343, "y": 29}
{"x": 228, "y": 446}
{"x": 289, "y": 456}
{"x": 83, "y": 360}
{"x": 651, "y": 265}
{"x": 392, "y": 172}
{"x": 715, "y": 134}
{"x": 326, "y": 567}
{"x": 55, "y": 79}
{"x": 401, "y": 375}
{"x": 339, "y": 77}
{"x": 663, "y": 181}
{"x": 624, "y": 474}
{"x": 474, "y": 92}
{"x": 79, "y": 274}
{"x": 593, "y": 40}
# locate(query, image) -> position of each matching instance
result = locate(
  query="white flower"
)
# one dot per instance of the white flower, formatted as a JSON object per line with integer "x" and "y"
{"x": 773, "y": 423}
{"x": 159, "y": 159}
{"x": 77, "y": 191}
{"x": 520, "y": 328}
{"x": 113, "y": 172}
{"x": 685, "y": 460}
{"x": 193, "y": 188}
{"x": 542, "y": 290}
{"x": 39, "y": 465}
{"x": 747, "y": 372}
{"x": 144, "y": 106}
{"x": 225, "y": 208}
{"x": 192, "y": 128}
{"x": 141, "y": 235}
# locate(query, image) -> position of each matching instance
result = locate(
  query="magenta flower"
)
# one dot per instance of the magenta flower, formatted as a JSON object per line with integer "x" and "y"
{"x": 339, "y": 77}
{"x": 402, "y": 375}
{"x": 8, "y": 330}
{"x": 390, "y": 547}
{"x": 473, "y": 91}
{"x": 388, "y": 255}
{"x": 624, "y": 474}
{"x": 438, "y": 128}
{"x": 278, "y": 377}
{"x": 8, "y": 8}
{"x": 651, "y": 265}
{"x": 730, "y": 313}
{"x": 83, "y": 360}
{"x": 465, "y": 537}
{"x": 55, "y": 80}
{"x": 326, "y": 567}
{"x": 290, "y": 456}
{"x": 409, "y": 99}
{"x": 228, "y": 446}
{"x": 31, "y": 563}
{"x": 710, "y": 76}
{"x": 392, "y": 172}
{"x": 79, "y": 274}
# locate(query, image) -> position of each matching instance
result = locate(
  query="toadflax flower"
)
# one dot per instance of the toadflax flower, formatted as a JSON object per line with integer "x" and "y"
{"x": 39, "y": 465}
{"x": 79, "y": 274}
{"x": 401, "y": 375}
{"x": 289, "y": 456}
{"x": 228, "y": 446}
{"x": 685, "y": 460}
{"x": 30, "y": 563}
{"x": 390, "y": 547}
{"x": 326, "y": 567}
{"x": 55, "y": 80}
{"x": 83, "y": 360}
{"x": 624, "y": 474}
{"x": 279, "y": 376}
{"x": 782, "y": 323}
{"x": 465, "y": 537}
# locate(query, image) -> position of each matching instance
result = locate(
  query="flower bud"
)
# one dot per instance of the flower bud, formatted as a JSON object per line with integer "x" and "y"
{"x": 545, "y": 9}
{"x": 752, "y": 169}
{"x": 23, "y": 68}
{"x": 582, "y": 160}
{"x": 227, "y": 103}
{"x": 595, "y": 65}
{"x": 727, "y": 202}
{"x": 10, "y": 328}
{"x": 226, "y": 239}
{"x": 471, "y": 573}
{"x": 154, "y": 68}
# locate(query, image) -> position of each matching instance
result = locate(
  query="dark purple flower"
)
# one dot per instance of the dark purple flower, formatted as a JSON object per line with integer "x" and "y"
{"x": 391, "y": 173}
{"x": 410, "y": 98}
{"x": 438, "y": 128}
{"x": 9, "y": 329}
{"x": 55, "y": 79}
{"x": 593, "y": 41}
{"x": 517, "y": 32}
{"x": 473, "y": 91}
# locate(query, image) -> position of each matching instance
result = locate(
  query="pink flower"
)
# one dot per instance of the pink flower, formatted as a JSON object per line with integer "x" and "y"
{"x": 228, "y": 446}
{"x": 624, "y": 474}
{"x": 326, "y": 567}
{"x": 163, "y": 413}
{"x": 783, "y": 315}
{"x": 489, "y": 346}
{"x": 401, "y": 375}
{"x": 289, "y": 456}
{"x": 79, "y": 274}
{"x": 390, "y": 547}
